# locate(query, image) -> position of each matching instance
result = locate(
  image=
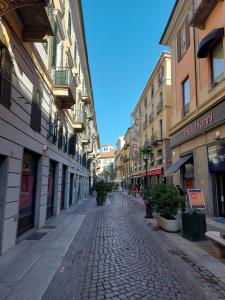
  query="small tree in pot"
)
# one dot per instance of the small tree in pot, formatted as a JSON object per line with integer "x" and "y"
{"x": 166, "y": 202}
{"x": 101, "y": 191}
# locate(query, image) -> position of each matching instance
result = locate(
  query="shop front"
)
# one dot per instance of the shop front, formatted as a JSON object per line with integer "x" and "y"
{"x": 27, "y": 192}
{"x": 154, "y": 176}
{"x": 199, "y": 157}
{"x": 63, "y": 189}
{"x": 216, "y": 158}
{"x": 51, "y": 189}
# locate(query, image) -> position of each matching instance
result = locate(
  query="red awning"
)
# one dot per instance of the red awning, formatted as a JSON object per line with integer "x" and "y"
{"x": 152, "y": 172}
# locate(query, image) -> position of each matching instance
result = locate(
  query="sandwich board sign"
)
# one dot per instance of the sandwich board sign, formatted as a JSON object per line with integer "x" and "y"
{"x": 196, "y": 198}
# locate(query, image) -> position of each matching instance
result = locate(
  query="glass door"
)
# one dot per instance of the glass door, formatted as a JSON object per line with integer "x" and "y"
{"x": 62, "y": 203}
{"x": 51, "y": 189}
{"x": 27, "y": 193}
{"x": 221, "y": 194}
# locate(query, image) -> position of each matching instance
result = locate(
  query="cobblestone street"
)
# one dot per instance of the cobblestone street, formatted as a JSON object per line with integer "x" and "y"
{"x": 116, "y": 255}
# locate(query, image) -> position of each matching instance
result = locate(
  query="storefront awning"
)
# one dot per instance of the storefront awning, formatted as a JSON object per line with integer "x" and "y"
{"x": 209, "y": 41}
{"x": 177, "y": 165}
{"x": 152, "y": 172}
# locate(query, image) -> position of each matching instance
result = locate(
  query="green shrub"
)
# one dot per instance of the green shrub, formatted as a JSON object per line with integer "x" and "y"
{"x": 102, "y": 189}
{"x": 165, "y": 199}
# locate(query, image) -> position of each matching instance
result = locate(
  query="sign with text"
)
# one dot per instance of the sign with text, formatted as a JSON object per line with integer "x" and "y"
{"x": 196, "y": 198}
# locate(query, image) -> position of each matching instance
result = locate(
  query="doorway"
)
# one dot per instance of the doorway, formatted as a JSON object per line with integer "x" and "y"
{"x": 3, "y": 171}
{"x": 220, "y": 180}
{"x": 62, "y": 203}
{"x": 51, "y": 189}
{"x": 27, "y": 192}
{"x": 71, "y": 189}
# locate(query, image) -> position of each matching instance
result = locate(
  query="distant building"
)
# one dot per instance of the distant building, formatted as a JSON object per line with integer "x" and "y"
{"x": 106, "y": 158}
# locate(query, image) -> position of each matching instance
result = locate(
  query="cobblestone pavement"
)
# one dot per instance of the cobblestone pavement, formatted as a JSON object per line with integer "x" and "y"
{"x": 117, "y": 256}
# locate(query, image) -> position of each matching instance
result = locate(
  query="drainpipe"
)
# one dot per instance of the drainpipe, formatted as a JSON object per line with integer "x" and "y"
{"x": 195, "y": 61}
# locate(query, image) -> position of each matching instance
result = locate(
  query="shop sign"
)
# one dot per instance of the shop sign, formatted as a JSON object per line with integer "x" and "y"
{"x": 216, "y": 158}
{"x": 199, "y": 125}
{"x": 196, "y": 198}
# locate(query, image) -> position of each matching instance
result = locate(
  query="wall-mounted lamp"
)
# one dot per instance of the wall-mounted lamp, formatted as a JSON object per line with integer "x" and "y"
{"x": 45, "y": 147}
{"x": 217, "y": 135}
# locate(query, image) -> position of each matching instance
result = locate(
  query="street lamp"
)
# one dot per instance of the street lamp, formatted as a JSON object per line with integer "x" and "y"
{"x": 148, "y": 203}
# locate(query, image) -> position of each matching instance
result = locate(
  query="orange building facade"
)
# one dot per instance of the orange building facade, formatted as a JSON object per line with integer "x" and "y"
{"x": 195, "y": 34}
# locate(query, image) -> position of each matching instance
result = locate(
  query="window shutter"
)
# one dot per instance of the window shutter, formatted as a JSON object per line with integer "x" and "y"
{"x": 66, "y": 141}
{"x": 187, "y": 32}
{"x": 54, "y": 46}
{"x": 72, "y": 144}
{"x": 5, "y": 78}
{"x": 60, "y": 140}
{"x": 178, "y": 46}
{"x": 55, "y": 129}
{"x": 35, "y": 122}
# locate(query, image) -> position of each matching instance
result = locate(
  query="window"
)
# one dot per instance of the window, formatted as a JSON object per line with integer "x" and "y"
{"x": 161, "y": 129}
{"x": 186, "y": 96}
{"x": 152, "y": 90}
{"x": 160, "y": 75}
{"x": 217, "y": 61}
{"x": 161, "y": 98}
{"x": 69, "y": 25}
{"x": 35, "y": 121}
{"x": 183, "y": 40}
{"x": 145, "y": 103}
{"x": 5, "y": 77}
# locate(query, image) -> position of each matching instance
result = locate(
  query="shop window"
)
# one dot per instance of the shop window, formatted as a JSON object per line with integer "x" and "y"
{"x": 183, "y": 39}
{"x": 217, "y": 62}
{"x": 6, "y": 66}
{"x": 186, "y": 96}
{"x": 35, "y": 121}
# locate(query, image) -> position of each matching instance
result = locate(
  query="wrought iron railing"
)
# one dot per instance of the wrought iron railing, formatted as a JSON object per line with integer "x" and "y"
{"x": 64, "y": 77}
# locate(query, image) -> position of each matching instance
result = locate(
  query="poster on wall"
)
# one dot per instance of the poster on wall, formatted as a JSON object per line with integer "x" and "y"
{"x": 196, "y": 198}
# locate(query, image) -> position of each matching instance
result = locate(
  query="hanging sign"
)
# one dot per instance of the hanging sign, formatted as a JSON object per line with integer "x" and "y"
{"x": 196, "y": 198}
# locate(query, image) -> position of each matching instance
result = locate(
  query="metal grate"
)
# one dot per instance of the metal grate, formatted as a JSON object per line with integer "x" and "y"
{"x": 36, "y": 236}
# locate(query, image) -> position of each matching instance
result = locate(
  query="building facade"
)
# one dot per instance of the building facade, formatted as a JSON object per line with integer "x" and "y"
{"x": 48, "y": 130}
{"x": 152, "y": 119}
{"x": 118, "y": 161}
{"x": 195, "y": 34}
{"x": 106, "y": 160}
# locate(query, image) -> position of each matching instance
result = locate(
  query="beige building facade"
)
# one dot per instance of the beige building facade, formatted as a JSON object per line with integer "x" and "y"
{"x": 152, "y": 120}
{"x": 48, "y": 129}
{"x": 195, "y": 34}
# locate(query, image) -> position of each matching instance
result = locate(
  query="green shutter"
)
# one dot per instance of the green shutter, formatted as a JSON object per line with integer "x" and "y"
{"x": 35, "y": 121}
{"x": 54, "y": 46}
{"x": 5, "y": 78}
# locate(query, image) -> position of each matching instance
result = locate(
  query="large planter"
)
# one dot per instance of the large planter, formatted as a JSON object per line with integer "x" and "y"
{"x": 194, "y": 226}
{"x": 168, "y": 225}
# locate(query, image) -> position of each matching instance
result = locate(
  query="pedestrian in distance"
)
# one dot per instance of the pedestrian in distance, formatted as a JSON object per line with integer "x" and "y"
{"x": 134, "y": 189}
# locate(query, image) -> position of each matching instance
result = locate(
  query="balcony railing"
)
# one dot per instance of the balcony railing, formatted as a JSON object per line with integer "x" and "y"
{"x": 85, "y": 138}
{"x": 159, "y": 107}
{"x": 151, "y": 117}
{"x": 64, "y": 87}
{"x": 33, "y": 15}
{"x": 79, "y": 120}
{"x": 84, "y": 97}
{"x": 156, "y": 139}
{"x": 200, "y": 11}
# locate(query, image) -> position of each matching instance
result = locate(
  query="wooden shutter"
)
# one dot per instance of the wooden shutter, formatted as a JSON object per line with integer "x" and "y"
{"x": 5, "y": 78}
{"x": 178, "y": 46}
{"x": 55, "y": 129}
{"x": 72, "y": 144}
{"x": 54, "y": 46}
{"x": 60, "y": 140}
{"x": 35, "y": 121}
{"x": 187, "y": 32}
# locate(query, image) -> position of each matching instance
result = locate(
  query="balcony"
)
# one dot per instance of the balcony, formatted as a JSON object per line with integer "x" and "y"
{"x": 156, "y": 139}
{"x": 200, "y": 12}
{"x": 64, "y": 87}
{"x": 159, "y": 107}
{"x": 85, "y": 98}
{"x": 34, "y": 16}
{"x": 151, "y": 117}
{"x": 85, "y": 139}
{"x": 79, "y": 121}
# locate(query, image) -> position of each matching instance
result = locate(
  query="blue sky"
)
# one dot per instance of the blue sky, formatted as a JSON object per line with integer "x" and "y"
{"x": 123, "y": 47}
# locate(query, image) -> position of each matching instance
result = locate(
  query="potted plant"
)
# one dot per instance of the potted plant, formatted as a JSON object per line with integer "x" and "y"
{"x": 101, "y": 192}
{"x": 166, "y": 202}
